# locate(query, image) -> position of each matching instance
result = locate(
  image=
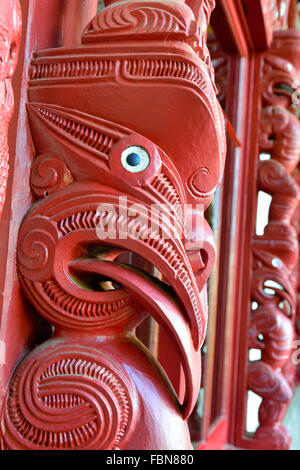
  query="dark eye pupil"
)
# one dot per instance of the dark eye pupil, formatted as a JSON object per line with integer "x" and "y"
{"x": 133, "y": 159}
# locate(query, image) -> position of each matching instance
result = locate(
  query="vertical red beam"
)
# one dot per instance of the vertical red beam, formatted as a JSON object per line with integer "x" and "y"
{"x": 20, "y": 328}
{"x": 247, "y": 214}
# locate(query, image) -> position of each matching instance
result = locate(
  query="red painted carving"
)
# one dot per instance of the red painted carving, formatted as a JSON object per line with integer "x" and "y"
{"x": 276, "y": 252}
{"x": 280, "y": 13}
{"x": 220, "y": 62}
{"x": 125, "y": 94}
{"x": 221, "y": 66}
{"x": 297, "y": 225}
{"x": 10, "y": 32}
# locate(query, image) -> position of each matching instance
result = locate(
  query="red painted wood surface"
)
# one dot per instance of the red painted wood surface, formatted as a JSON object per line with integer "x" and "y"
{"x": 91, "y": 108}
{"x": 229, "y": 397}
{"x": 87, "y": 99}
{"x": 10, "y": 32}
{"x": 276, "y": 252}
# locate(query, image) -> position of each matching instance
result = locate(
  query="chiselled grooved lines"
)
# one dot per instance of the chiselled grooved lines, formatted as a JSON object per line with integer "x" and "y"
{"x": 151, "y": 68}
{"x": 62, "y": 400}
{"x": 74, "y": 69}
{"x": 85, "y": 134}
{"x": 164, "y": 186}
{"x": 81, "y": 220}
{"x": 170, "y": 68}
{"x": 75, "y": 435}
{"x": 90, "y": 219}
{"x": 166, "y": 68}
{"x": 84, "y": 309}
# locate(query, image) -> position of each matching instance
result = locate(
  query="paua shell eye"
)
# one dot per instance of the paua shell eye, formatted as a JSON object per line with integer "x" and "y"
{"x": 135, "y": 159}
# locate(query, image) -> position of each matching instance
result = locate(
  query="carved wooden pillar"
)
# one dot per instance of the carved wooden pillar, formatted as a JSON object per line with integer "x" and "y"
{"x": 276, "y": 252}
{"x": 10, "y": 32}
{"x": 129, "y": 145}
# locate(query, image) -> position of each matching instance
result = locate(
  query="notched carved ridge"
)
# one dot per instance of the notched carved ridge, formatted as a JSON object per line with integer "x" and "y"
{"x": 77, "y": 127}
{"x": 89, "y": 220}
{"x": 68, "y": 68}
{"x": 163, "y": 185}
{"x": 105, "y": 312}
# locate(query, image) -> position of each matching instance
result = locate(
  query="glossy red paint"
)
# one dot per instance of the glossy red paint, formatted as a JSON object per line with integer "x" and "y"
{"x": 276, "y": 252}
{"x": 21, "y": 328}
{"x": 92, "y": 294}
{"x": 228, "y": 397}
{"x": 85, "y": 114}
{"x": 10, "y": 32}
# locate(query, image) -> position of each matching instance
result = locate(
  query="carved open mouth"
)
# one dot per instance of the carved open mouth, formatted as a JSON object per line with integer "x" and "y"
{"x": 104, "y": 291}
{"x": 170, "y": 258}
{"x": 152, "y": 295}
{"x": 98, "y": 283}
{"x": 88, "y": 296}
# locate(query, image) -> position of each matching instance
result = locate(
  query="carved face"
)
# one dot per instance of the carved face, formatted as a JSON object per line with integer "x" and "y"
{"x": 114, "y": 113}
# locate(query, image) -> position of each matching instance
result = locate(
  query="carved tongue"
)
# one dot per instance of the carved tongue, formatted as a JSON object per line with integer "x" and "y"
{"x": 165, "y": 311}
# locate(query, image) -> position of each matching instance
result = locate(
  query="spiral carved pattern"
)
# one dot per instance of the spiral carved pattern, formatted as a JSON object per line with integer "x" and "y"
{"x": 278, "y": 335}
{"x": 3, "y": 177}
{"x": 276, "y": 252}
{"x": 37, "y": 240}
{"x": 140, "y": 18}
{"x": 273, "y": 178}
{"x": 67, "y": 397}
{"x": 10, "y": 36}
{"x": 284, "y": 290}
{"x": 48, "y": 175}
{"x": 61, "y": 308}
{"x": 74, "y": 396}
{"x": 264, "y": 381}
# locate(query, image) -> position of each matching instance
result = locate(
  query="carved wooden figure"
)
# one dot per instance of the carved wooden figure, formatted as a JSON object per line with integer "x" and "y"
{"x": 126, "y": 129}
{"x": 276, "y": 252}
{"x": 10, "y": 32}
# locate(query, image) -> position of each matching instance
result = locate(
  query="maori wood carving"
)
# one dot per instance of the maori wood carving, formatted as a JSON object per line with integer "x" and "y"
{"x": 128, "y": 120}
{"x": 10, "y": 32}
{"x": 264, "y": 17}
{"x": 276, "y": 252}
{"x": 221, "y": 65}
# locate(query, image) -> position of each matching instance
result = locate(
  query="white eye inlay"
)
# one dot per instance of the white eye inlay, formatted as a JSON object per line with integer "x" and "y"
{"x": 135, "y": 159}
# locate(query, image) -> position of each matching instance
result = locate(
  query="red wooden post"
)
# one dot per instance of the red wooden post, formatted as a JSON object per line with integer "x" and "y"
{"x": 10, "y": 32}
{"x": 276, "y": 252}
{"x": 126, "y": 130}
{"x": 76, "y": 15}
